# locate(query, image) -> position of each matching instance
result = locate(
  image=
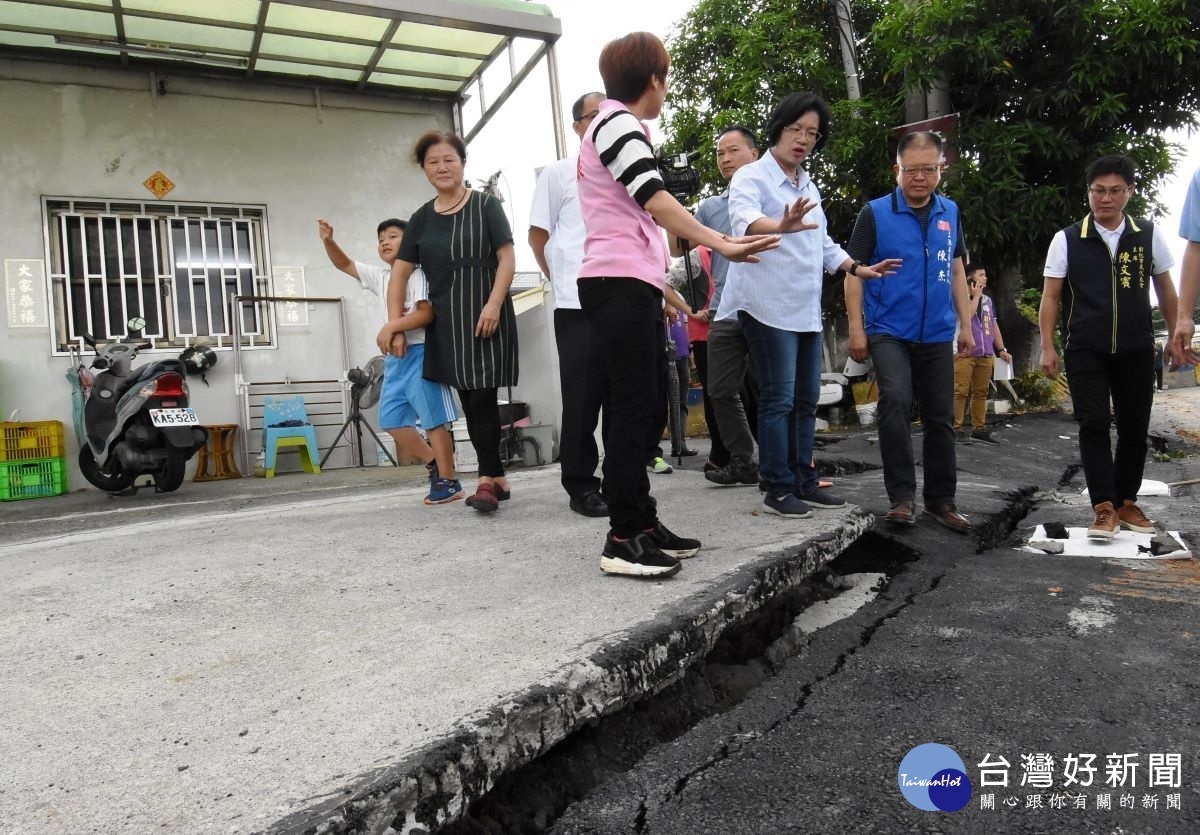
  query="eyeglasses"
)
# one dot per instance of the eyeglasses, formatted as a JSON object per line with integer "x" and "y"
{"x": 911, "y": 171}
{"x": 813, "y": 136}
{"x": 1115, "y": 191}
{"x": 590, "y": 115}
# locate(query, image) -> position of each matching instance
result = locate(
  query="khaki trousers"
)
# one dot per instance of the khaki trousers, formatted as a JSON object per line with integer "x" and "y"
{"x": 972, "y": 375}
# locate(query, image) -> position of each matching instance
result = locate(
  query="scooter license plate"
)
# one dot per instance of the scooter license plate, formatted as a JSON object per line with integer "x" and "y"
{"x": 173, "y": 417}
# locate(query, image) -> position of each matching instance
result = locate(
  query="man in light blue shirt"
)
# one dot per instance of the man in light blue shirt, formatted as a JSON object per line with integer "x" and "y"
{"x": 723, "y": 363}
{"x": 779, "y": 304}
{"x": 1189, "y": 272}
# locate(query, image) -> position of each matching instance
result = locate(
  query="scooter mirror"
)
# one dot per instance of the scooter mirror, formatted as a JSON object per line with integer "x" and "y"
{"x": 137, "y": 323}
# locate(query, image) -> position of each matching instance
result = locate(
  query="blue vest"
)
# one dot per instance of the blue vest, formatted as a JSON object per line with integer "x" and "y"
{"x": 914, "y": 304}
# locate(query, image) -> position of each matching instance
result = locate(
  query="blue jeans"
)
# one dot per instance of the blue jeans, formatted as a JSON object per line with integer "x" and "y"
{"x": 789, "y": 382}
{"x": 924, "y": 370}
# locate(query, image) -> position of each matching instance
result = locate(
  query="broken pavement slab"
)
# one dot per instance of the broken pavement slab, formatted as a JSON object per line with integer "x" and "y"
{"x": 228, "y": 664}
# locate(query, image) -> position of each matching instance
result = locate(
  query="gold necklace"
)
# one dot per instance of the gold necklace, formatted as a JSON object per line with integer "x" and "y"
{"x": 452, "y": 209}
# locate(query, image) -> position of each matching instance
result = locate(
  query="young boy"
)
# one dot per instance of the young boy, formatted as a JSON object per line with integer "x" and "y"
{"x": 407, "y": 397}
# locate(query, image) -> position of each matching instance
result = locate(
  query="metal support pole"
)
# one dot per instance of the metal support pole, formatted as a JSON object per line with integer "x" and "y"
{"x": 560, "y": 139}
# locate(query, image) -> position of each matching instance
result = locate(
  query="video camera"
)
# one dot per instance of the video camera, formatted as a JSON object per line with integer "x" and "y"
{"x": 681, "y": 178}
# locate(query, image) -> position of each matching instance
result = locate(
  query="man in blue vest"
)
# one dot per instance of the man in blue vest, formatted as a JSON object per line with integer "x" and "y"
{"x": 1100, "y": 269}
{"x": 905, "y": 323}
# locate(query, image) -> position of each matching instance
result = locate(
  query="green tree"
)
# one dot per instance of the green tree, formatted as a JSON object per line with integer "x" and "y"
{"x": 732, "y": 61}
{"x": 1042, "y": 88}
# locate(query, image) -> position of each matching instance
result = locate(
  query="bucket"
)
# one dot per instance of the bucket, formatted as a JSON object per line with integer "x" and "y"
{"x": 866, "y": 413}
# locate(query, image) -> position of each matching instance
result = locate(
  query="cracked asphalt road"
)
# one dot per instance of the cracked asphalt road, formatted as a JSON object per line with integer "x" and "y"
{"x": 1000, "y": 653}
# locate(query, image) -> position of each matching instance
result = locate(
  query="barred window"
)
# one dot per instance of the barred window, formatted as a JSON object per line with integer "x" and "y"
{"x": 176, "y": 266}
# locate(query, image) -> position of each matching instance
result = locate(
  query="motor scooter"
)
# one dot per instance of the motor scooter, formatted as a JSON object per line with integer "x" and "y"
{"x": 137, "y": 420}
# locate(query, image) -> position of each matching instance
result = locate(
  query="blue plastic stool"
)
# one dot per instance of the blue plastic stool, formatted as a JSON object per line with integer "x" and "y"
{"x": 300, "y": 433}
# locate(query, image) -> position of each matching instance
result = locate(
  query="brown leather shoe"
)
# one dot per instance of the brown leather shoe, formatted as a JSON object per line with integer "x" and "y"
{"x": 902, "y": 513}
{"x": 1132, "y": 518}
{"x": 948, "y": 515}
{"x": 1106, "y": 524}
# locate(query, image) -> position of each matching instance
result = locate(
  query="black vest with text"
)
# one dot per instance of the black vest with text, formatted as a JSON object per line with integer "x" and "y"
{"x": 1106, "y": 300}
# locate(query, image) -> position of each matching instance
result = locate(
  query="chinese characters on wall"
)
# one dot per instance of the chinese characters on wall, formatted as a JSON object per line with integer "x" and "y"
{"x": 25, "y": 293}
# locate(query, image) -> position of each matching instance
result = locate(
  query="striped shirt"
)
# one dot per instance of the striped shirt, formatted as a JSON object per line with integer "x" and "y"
{"x": 617, "y": 177}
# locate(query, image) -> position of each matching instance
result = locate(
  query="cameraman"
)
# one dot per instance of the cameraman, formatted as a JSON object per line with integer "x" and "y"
{"x": 723, "y": 359}
{"x": 621, "y": 291}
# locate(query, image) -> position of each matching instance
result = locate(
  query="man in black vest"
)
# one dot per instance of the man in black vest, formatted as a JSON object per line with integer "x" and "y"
{"x": 1100, "y": 269}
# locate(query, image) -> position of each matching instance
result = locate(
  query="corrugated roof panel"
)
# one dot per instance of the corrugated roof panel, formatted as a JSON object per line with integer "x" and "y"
{"x": 396, "y": 59}
{"x": 37, "y": 16}
{"x": 443, "y": 37}
{"x": 308, "y": 70}
{"x": 414, "y": 82}
{"x": 321, "y": 21}
{"x": 316, "y": 50}
{"x": 217, "y": 11}
{"x": 192, "y": 35}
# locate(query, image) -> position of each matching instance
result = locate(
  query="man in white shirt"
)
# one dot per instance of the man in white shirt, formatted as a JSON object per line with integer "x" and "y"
{"x": 556, "y": 235}
{"x": 407, "y": 398}
{"x": 1101, "y": 269}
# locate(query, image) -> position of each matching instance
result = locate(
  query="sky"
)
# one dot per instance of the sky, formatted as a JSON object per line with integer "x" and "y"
{"x": 520, "y": 138}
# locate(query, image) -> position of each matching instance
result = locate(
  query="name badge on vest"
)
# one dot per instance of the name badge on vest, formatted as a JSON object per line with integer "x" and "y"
{"x": 944, "y": 225}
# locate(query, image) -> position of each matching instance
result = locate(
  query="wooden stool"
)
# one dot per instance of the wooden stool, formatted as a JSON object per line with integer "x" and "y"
{"x": 217, "y": 452}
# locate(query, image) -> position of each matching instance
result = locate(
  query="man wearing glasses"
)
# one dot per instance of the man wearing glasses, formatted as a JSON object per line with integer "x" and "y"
{"x": 906, "y": 323}
{"x": 1100, "y": 269}
{"x": 556, "y": 235}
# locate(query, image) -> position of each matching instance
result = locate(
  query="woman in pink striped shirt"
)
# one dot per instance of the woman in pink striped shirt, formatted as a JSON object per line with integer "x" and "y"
{"x": 625, "y": 262}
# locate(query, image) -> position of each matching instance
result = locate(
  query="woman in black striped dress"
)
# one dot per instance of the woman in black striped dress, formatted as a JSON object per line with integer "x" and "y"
{"x": 463, "y": 242}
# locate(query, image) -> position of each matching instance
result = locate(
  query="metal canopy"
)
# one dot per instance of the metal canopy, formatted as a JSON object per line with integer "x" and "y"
{"x": 437, "y": 48}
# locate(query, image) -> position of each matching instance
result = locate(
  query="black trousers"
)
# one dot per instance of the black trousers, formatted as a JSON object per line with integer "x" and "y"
{"x": 627, "y": 317}
{"x": 584, "y": 398}
{"x": 482, "y": 411}
{"x": 1095, "y": 378}
{"x": 718, "y": 454}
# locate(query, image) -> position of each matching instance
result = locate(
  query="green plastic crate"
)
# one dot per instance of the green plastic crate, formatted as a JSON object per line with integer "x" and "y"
{"x": 32, "y": 479}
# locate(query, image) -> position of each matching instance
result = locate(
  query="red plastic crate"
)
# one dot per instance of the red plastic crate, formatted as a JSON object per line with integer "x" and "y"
{"x": 32, "y": 479}
{"x": 31, "y": 441}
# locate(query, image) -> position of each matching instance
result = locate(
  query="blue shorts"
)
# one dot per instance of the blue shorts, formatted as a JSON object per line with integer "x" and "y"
{"x": 408, "y": 399}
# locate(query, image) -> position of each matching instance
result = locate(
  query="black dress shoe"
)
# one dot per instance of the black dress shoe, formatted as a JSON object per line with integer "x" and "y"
{"x": 686, "y": 452}
{"x": 589, "y": 504}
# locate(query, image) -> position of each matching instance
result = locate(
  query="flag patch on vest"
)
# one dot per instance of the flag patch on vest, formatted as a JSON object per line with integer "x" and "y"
{"x": 944, "y": 225}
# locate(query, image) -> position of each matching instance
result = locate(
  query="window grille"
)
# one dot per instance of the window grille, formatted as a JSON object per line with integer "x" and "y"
{"x": 176, "y": 266}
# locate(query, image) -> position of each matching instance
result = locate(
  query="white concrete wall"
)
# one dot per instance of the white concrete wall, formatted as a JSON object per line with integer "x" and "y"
{"x": 73, "y": 132}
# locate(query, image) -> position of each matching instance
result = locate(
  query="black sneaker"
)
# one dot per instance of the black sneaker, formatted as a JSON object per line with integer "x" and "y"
{"x": 821, "y": 499}
{"x": 734, "y": 474}
{"x": 962, "y": 436}
{"x": 636, "y": 557}
{"x": 672, "y": 545}
{"x": 983, "y": 436}
{"x": 785, "y": 504}
{"x": 589, "y": 504}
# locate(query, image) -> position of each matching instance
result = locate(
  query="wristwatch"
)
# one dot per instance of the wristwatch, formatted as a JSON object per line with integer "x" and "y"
{"x": 854, "y": 265}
